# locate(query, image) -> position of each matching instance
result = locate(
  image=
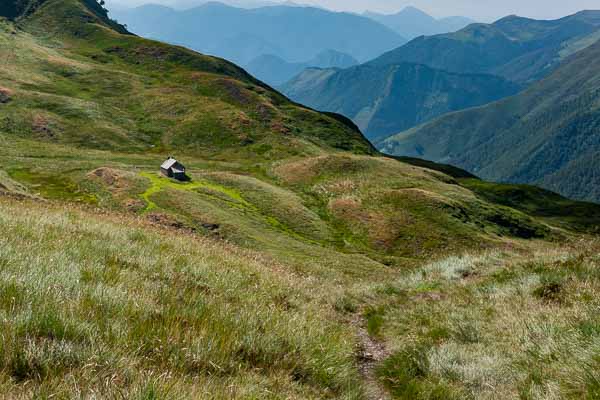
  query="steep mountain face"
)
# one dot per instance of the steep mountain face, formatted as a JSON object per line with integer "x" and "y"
{"x": 412, "y": 22}
{"x": 275, "y": 71}
{"x": 519, "y": 49}
{"x": 547, "y": 135}
{"x": 387, "y": 99}
{"x": 295, "y": 34}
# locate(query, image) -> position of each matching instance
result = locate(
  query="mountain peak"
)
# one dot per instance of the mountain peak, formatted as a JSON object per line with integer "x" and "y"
{"x": 333, "y": 58}
{"x": 414, "y": 10}
{"x": 62, "y": 12}
{"x": 511, "y": 18}
{"x": 412, "y": 22}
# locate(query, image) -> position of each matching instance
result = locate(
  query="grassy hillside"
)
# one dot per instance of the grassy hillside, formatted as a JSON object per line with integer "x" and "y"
{"x": 494, "y": 325}
{"x": 76, "y": 82}
{"x": 160, "y": 313}
{"x": 519, "y": 49}
{"x": 286, "y": 268}
{"x": 388, "y": 99}
{"x": 547, "y": 135}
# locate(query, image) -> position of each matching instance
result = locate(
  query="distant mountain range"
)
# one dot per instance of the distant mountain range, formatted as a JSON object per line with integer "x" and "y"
{"x": 294, "y": 34}
{"x": 187, "y": 4}
{"x": 277, "y": 41}
{"x": 548, "y": 135}
{"x": 393, "y": 98}
{"x": 276, "y": 71}
{"x": 412, "y": 22}
{"x": 476, "y": 65}
{"x": 516, "y": 48}
{"x": 115, "y": 5}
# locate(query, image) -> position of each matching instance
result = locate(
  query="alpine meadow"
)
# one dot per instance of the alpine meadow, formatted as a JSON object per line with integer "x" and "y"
{"x": 276, "y": 254}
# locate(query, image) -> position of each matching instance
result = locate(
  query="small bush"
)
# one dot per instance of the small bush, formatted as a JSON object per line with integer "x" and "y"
{"x": 345, "y": 305}
{"x": 438, "y": 334}
{"x": 590, "y": 328}
{"x": 466, "y": 333}
{"x": 41, "y": 359}
{"x": 551, "y": 289}
{"x": 11, "y": 295}
{"x": 407, "y": 376}
{"x": 375, "y": 320}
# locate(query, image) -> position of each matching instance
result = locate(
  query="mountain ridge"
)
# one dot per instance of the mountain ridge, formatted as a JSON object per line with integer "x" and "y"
{"x": 499, "y": 48}
{"x": 521, "y": 139}
{"x": 513, "y": 52}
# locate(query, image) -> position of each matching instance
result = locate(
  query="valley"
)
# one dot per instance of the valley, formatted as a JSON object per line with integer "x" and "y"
{"x": 396, "y": 97}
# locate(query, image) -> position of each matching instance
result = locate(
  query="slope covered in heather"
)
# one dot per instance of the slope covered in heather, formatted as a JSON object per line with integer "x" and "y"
{"x": 92, "y": 86}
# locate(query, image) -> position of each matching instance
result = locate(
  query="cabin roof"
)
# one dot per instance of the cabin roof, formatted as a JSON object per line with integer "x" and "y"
{"x": 170, "y": 163}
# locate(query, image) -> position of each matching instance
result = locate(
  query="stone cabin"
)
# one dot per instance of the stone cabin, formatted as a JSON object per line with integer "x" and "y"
{"x": 173, "y": 169}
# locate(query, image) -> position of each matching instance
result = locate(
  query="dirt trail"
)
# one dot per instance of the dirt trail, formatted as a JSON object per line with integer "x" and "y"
{"x": 370, "y": 353}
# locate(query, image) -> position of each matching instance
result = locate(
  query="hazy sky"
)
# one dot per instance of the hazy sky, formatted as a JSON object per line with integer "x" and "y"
{"x": 481, "y": 9}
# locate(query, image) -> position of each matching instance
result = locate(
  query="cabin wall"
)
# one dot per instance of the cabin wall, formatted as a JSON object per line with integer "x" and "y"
{"x": 180, "y": 176}
{"x": 166, "y": 172}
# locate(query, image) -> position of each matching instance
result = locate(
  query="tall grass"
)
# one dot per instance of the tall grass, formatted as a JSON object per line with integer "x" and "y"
{"x": 109, "y": 308}
{"x": 502, "y": 324}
